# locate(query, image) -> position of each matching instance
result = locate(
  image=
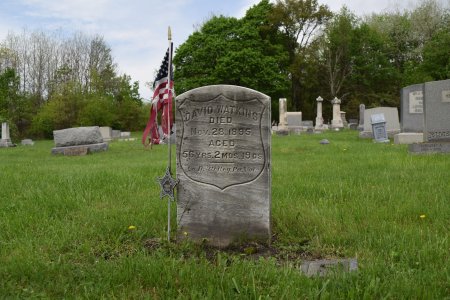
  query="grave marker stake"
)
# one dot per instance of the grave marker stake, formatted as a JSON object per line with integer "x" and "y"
{"x": 167, "y": 183}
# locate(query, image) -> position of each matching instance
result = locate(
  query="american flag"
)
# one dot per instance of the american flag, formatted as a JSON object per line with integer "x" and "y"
{"x": 161, "y": 102}
{"x": 160, "y": 84}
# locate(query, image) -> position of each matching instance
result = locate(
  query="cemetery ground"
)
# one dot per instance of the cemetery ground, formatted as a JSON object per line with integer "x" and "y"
{"x": 85, "y": 226}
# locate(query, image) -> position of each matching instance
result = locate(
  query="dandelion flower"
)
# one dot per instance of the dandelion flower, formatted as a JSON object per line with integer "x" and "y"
{"x": 422, "y": 216}
{"x": 131, "y": 227}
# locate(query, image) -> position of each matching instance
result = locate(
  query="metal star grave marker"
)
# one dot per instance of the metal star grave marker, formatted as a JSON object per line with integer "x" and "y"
{"x": 167, "y": 184}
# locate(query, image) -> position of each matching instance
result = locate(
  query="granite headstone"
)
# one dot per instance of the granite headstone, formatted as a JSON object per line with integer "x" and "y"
{"x": 411, "y": 108}
{"x": 436, "y": 111}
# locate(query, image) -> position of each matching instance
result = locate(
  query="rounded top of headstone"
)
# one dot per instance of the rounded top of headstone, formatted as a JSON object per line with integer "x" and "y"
{"x": 336, "y": 100}
{"x": 377, "y": 118}
{"x": 319, "y": 99}
{"x": 233, "y": 92}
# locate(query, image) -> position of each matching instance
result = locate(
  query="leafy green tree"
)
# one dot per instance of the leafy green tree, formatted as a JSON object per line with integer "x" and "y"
{"x": 231, "y": 51}
{"x": 436, "y": 57}
{"x": 298, "y": 21}
{"x": 374, "y": 79}
{"x": 337, "y": 43}
{"x": 14, "y": 108}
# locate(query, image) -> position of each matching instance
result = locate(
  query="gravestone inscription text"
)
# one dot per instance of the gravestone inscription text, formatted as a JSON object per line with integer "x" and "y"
{"x": 222, "y": 137}
{"x": 416, "y": 102}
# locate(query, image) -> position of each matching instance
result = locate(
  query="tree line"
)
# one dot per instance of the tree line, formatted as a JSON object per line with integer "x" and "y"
{"x": 52, "y": 81}
{"x": 295, "y": 49}
{"x": 299, "y": 49}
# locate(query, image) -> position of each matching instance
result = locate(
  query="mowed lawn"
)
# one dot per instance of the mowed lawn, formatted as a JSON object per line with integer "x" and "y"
{"x": 65, "y": 225}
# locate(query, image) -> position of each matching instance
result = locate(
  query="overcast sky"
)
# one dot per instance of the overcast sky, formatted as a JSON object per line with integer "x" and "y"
{"x": 136, "y": 30}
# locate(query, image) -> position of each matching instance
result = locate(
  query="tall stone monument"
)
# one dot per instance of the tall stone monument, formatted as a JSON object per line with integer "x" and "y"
{"x": 5, "y": 141}
{"x": 319, "y": 117}
{"x": 362, "y": 108}
{"x": 282, "y": 125}
{"x": 223, "y": 165}
{"x": 336, "y": 122}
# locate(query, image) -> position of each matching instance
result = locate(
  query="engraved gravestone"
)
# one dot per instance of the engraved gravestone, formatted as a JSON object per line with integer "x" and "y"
{"x": 411, "y": 108}
{"x": 223, "y": 165}
{"x": 379, "y": 128}
{"x": 436, "y": 112}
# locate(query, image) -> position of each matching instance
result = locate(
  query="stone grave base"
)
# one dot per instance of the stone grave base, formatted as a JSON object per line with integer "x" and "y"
{"x": 369, "y": 134}
{"x": 408, "y": 138}
{"x": 282, "y": 132}
{"x": 6, "y": 144}
{"x": 428, "y": 148}
{"x": 295, "y": 130}
{"x": 80, "y": 149}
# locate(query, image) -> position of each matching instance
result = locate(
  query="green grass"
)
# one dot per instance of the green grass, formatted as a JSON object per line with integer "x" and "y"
{"x": 64, "y": 225}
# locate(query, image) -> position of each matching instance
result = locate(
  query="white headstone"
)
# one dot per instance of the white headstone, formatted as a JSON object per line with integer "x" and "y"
{"x": 319, "y": 117}
{"x": 106, "y": 133}
{"x": 336, "y": 122}
{"x": 283, "y": 118}
{"x": 5, "y": 132}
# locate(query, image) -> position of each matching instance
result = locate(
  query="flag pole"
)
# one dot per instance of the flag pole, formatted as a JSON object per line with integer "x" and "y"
{"x": 169, "y": 75}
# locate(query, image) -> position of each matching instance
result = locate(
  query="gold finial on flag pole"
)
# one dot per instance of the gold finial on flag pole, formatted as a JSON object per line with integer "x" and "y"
{"x": 170, "y": 34}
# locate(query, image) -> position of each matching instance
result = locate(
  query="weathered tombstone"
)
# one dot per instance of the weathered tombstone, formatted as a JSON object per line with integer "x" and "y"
{"x": 344, "y": 120}
{"x": 223, "y": 165}
{"x": 319, "y": 117}
{"x": 282, "y": 126}
{"x": 294, "y": 121}
{"x": 307, "y": 123}
{"x": 106, "y": 133}
{"x": 294, "y": 118}
{"x": 353, "y": 124}
{"x": 27, "y": 142}
{"x": 437, "y": 111}
{"x": 73, "y": 141}
{"x": 362, "y": 109}
{"x": 336, "y": 122}
{"x": 391, "y": 117}
{"x": 5, "y": 140}
{"x": 411, "y": 115}
{"x": 115, "y": 134}
{"x": 125, "y": 135}
{"x": 436, "y": 119}
{"x": 324, "y": 267}
{"x": 411, "y": 108}
{"x": 379, "y": 128}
